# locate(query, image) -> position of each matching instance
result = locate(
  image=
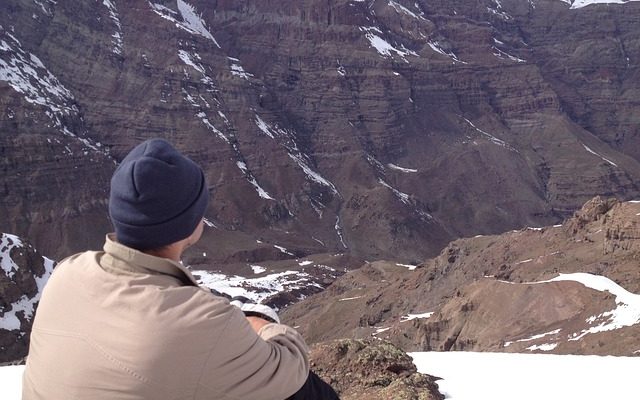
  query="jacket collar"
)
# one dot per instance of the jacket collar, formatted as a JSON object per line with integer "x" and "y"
{"x": 127, "y": 259}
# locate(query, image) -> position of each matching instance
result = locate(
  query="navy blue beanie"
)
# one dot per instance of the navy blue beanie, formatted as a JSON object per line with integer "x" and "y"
{"x": 158, "y": 196}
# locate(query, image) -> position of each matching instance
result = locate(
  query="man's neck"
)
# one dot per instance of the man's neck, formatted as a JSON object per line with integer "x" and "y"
{"x": 171, "y": 252}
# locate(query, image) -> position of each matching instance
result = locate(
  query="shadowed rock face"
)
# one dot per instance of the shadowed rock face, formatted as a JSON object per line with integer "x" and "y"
{"x": 499, "y": 293}
{"x": 359, "y": 369}
{"x": 380, "y": 128}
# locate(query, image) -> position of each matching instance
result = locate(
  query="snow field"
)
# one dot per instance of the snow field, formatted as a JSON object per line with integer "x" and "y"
{"x": 508, "y": 376}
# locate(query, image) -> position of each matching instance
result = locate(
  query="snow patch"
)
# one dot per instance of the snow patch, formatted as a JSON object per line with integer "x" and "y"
{"x": 409, "y": 266}
{"x": 403, "y": 197}
{"x": 543, "y": 347}
{"x": 501, "y": 376}
{"x": 410, "y": 317}
{"x": 534, "y": 337}
{"x": 400, "y": 9}
{"x": 402, "y": 169}
{"x": 627, "y": 312}
{"x": 283, "y": 250}
{"x": 504, "y": 55}
{"x": 117, "y": 36}
{"x": 191, "y": 21}
{"x": 350, "y": 298}
{"x": 287, "y": 140}
{"x": 257, "y": 269}
{"x": 436, "y": 46}
{"x": 252, "y": 180}
{"x": 602, "y": 157}
{"x": 491, "y": 138}
{"x": 24, "y": 304}
{"x": 255, "y": 289}
{"x": 27, "y": 75}
{"x": 583, "y": 3}
{"x": 383, "y": 47}
{"x": 338, "y": 230}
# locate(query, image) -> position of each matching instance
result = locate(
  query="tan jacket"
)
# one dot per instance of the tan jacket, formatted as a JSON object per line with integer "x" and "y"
{"x": 121, "y": 324}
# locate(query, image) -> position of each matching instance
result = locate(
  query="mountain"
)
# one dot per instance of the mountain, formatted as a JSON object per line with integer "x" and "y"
{"x": 564, "y": 289}
{"x": 381, "y": 129}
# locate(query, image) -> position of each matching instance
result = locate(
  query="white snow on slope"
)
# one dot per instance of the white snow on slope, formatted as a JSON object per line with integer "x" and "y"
{"x": 498, "y": 11}
{"x": 209, "y": 125}
{"x": 437, "y": 47}
{"x": 27, "y": 75}
{"x": 404, "y": 10}
{"x": 258, "y": 269}
{"x": 191, "y": 21}
{"x": 627, "y": 312}
{"x": 596, "y": 154}
{"x": 338, "y": 229}
{"x": 583, "y": 3}
{"x": 383, "y": 47}
{"x": 495, "y": 376}
{"x": 286, "y": 139}
{"x": 403, "y": 197}
{"x": 7, "y": 243}
{"x": 410, "y": 317}
{"x": 237, "y": 70}
{"x": 256, "y": 289}
{"x": 283, "y": 250}
{"x": 192, "y": 60}
{"x": 252, "y": 180}
{"x": 46, "y": 10}
{"x": 510, "y": 376}
{"x": 534, "y": 337}
{"x": 408, "y": 266}
{"x": 25, "y": 305}
{"x": 491, "y": 138}
{"x": 402, "y": 169}
{"x": 117, "y": 36}
{"x": 503, "y": 54}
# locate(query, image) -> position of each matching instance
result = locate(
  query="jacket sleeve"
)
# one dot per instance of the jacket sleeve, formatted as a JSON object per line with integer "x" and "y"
{"x": 272, "y": 364}
{"x": 315, "y": 389}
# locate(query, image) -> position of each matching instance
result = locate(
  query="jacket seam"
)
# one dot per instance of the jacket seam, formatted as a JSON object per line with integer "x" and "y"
{"x": 119, "y": 364}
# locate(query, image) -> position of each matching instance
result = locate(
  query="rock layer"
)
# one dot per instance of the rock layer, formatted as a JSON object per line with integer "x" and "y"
{"x": 380, "y": 128}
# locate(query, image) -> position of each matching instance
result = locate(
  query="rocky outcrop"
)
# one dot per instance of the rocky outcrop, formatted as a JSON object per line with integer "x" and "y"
{"x": 22, "y": 277}
{"x": 371, "y": 370}
{"x": 384, "y": 129}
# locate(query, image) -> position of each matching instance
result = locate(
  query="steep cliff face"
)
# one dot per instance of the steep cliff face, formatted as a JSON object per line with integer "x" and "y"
{"x": 378, "y": 128}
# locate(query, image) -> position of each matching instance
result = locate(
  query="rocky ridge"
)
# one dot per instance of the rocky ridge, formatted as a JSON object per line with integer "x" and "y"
{"x": 566, "y": 289}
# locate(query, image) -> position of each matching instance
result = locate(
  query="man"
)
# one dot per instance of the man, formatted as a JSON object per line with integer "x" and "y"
{"x": 130, "y": 322}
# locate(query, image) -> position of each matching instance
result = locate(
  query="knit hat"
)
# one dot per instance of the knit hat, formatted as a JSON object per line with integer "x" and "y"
{"x": 158, "y": 196}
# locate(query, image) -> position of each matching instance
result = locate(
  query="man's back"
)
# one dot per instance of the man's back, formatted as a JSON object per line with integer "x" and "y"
{"x": 122, "y": 324}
